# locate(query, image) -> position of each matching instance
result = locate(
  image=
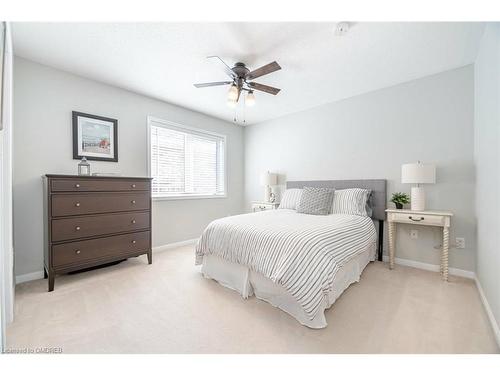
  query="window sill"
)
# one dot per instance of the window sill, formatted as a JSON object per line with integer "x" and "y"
{"x": 181, "y": 197}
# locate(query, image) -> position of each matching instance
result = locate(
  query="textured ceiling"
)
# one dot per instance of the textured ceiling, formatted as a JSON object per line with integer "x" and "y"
{"x": 163, "y": 60}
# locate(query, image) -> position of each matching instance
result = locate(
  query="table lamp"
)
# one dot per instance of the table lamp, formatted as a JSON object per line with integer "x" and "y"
{"x": 267, "y": 180}
{"x": 418, "y": 173}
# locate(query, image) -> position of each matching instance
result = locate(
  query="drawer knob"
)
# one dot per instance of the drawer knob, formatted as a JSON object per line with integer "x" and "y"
{"x": 77, "y": 251}
{"x": 418, "y": 219}
{"x": 77, "y": 204}
{"x": 134, "y": 241}
{"x": 133, "y": 221}
{"x": 133, "y": 202}
{"x": 77, "y": 228}
{"x": 133, "y": 186}
{"x": 77, "y": 185}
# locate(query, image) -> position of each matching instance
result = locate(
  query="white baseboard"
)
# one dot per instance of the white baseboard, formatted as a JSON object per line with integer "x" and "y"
{"x": 491, "y": 317}
{"x": 173, "y": 245}
{"x": 39, "y": 274}
{"x": 29, "y": 277}
{"x": 431, "y": 267}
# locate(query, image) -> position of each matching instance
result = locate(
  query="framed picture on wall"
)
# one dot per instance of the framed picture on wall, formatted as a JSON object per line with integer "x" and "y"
{"x": 95, "y": 137}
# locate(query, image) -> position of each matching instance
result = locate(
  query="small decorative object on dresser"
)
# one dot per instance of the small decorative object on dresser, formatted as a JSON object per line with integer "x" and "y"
{"x": 84, "y": 167}
{"x": 95, "y": 137}
{"x": 263, "y": 206}
{"x": 267, "y": 180}
{"x": 91, "y": 220}
{"x": 429, "y": 218}
{"x": 399, "y": 199}
{"x": 418, "y": 173}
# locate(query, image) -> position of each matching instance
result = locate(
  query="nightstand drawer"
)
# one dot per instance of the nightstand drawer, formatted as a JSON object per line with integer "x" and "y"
{"x": 417, "y": 218}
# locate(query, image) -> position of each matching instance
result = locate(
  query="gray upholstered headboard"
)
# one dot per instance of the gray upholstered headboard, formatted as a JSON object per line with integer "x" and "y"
{"x": 378, "y": 188}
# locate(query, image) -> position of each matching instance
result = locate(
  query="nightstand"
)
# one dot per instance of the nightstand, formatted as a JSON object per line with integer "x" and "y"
{"x": 262, "y": 206}
{"x": 429, "y": 218}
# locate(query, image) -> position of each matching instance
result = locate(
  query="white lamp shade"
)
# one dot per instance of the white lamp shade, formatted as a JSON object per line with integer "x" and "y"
{"x": 418, "y": 173}
{"x": 268, "y": 179}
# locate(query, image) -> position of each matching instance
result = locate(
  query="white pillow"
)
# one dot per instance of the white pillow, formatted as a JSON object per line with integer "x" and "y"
{"x": 290, "y": 199}
{"x": 351, "y": 202}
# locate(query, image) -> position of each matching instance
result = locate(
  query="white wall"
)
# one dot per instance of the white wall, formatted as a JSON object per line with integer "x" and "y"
{"x": 6, "y": 249}
{"x": 43, "y": 101}
{"x": 370, "y": 136}
{"x": 487, "y": 144}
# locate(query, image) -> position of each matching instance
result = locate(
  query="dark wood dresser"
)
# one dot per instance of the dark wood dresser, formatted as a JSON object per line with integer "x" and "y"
{"x": 90, "y": 221}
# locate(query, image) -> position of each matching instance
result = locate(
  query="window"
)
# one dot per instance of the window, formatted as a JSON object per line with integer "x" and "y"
{"x": 185, "y": 162}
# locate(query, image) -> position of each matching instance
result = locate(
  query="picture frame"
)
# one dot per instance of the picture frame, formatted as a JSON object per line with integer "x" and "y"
{"x": 94, "y": 137}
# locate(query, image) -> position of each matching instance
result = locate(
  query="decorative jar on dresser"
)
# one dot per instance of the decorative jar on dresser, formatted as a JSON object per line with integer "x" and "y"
{"x": 94, "y": 220}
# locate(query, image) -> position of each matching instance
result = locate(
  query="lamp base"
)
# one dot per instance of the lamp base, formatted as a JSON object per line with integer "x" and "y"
{"x": 267, "y": 193}
{"x": 417, "y": 198}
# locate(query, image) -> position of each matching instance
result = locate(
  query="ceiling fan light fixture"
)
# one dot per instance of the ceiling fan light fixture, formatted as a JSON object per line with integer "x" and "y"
{"x": 250, "y": 99}
{"x": 232, "y": 93}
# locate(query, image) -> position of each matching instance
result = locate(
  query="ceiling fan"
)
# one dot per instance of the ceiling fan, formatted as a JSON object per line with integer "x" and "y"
{"x": 241, "y": 80}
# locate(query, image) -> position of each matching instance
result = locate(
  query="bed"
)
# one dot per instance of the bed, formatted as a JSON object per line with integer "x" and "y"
{"x": 297, "y": 262}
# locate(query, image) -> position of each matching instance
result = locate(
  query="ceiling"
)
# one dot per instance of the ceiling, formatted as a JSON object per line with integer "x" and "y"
{"x": 163, "y": 60}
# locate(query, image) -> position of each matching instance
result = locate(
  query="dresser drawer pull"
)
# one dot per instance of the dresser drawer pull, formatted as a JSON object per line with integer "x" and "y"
{"x": 412, "y": 219}
{"x": 133, "y": 186}
{"x": 77, "y": 252}
{"x": 133, "y": 221}
{"x": 134, "y": 241}
{"x": 77, "y": 185}
{"x": 77, "y": 204}
{"x": 133, "y": 202}
{"x": 77, "y": 228}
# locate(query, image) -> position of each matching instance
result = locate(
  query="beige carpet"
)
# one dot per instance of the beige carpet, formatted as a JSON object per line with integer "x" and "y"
{"x": 169, "y": 307}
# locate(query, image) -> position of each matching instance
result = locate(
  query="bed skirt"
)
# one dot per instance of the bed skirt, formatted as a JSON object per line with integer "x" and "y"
{"x": 248, "y": 283}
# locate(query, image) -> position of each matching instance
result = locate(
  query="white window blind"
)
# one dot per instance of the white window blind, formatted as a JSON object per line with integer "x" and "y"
{"x": 186, "y": 162}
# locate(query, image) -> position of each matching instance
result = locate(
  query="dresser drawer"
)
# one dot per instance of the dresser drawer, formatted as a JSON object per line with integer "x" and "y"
{"x": 91, "y": 250}
{"x": 422, "y": 219}
{"x": 86, "y": 226}
{"x": 89, "y": 184}
{"x": 80, "y": 204}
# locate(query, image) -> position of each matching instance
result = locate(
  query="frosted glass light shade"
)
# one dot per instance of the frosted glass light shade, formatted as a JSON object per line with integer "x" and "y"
{"x": 232, "y": 93}
{"x": 418, "y": 173}
{"x": 250, "y": 101}
{"x": 268, "y": 179}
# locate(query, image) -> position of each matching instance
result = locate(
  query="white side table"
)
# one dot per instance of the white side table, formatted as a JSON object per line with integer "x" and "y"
{"x": 430, "y": 218}
{"x": 263, "y": 206}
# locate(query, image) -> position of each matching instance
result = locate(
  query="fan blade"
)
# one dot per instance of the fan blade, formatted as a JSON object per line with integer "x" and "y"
{"x": 209, "y": 84}
{"x": 265, "y": 88}
{"x": 263, "y": 70}
{"x": 226, "y": 67}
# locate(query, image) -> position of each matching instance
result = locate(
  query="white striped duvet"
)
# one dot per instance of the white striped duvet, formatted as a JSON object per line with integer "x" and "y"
{"x": 300, "y": 252}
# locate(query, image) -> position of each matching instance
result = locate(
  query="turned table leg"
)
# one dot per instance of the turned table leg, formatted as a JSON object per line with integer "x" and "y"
{"x": 444, "y": 255}
{"x": 392, "y": 234}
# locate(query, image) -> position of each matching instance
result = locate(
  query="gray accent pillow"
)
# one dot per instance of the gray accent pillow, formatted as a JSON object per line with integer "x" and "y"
{"x": 316, "y": 201}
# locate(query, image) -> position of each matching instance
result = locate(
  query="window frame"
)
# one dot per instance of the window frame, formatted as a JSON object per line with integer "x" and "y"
{"x": 155, "y": 121}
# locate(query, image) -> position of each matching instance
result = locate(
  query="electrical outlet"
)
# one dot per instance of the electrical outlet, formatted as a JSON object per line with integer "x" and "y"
{"x": 460, "y": 243}
{"x": 414, "y": 234}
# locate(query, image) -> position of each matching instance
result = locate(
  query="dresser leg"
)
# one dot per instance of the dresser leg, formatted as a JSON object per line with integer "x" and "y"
{"x": 392, "y": 234}
{"x": 150, "y": 257}
{"x": 45, "y": 275}
{"x": 444, "y": 257}
{"x": 51, "y": 281}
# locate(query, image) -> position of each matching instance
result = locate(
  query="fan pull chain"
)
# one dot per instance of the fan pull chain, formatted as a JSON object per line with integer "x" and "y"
{"x": 244, "y": 109}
